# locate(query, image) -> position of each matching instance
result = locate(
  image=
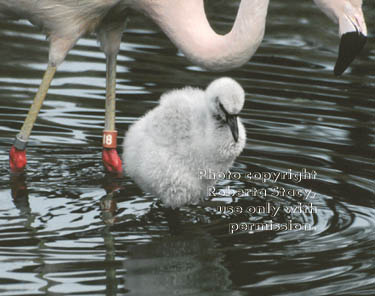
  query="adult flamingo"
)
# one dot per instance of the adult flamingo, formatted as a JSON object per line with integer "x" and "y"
{"x": 184, "y": 22}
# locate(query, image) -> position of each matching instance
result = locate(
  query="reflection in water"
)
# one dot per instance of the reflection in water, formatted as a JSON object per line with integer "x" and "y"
{"x": 19, "y": 191}
{"x": 111, "y": 275}
{"x": 188, "y": 264}
{"x": 66, "y": 228}
{"x": 108, "y": 202}
{"x": 44, "y": 267}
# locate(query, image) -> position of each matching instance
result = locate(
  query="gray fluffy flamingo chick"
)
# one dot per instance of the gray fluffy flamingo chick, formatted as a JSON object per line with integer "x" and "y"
{"x": 190, "y": 130}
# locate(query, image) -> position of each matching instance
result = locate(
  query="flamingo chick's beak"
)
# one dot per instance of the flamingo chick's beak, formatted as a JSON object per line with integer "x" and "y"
{"x": 353, "y": 33}
{"x": 232, "y": 121}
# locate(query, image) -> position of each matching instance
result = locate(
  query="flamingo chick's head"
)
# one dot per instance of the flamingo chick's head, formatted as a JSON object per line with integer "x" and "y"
{"x": 226, "y": 99}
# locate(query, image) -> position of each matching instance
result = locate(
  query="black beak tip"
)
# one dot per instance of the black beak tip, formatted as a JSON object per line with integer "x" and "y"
{"x": 351, "y": 45}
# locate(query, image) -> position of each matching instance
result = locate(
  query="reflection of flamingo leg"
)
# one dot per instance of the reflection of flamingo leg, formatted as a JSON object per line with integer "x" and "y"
{"x": 17, "y": 154}
{"x": 19, "y": 191}
{"x": 111, "y": 160}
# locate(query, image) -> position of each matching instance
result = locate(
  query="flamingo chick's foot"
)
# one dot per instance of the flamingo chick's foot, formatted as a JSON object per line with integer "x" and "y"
{"x": 17, "y": 160}
{"x": 112, "y": 162}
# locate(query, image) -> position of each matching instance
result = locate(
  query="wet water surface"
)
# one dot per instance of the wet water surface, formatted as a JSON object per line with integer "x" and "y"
{"x": 67, "y": 228}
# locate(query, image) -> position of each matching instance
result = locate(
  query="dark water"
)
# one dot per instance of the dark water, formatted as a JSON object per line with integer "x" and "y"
{"x": 68, "y": 229}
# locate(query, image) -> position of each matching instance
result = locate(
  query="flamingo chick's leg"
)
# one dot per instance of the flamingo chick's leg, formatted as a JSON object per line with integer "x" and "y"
{"x": 17, "y": 154}
{"x": 111, "y": 160}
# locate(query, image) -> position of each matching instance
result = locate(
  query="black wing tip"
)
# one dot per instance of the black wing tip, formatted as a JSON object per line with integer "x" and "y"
{"x": 351, "y": 45}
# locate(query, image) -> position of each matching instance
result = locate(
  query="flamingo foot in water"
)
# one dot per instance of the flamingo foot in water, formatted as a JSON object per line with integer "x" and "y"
{"x": 17, "y": 160}
{"x": 112, "y": 162}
